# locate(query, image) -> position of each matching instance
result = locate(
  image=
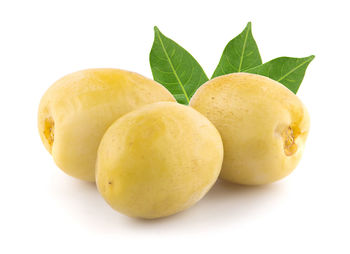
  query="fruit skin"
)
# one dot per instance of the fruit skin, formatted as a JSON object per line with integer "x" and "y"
{"x": 75, "y": 112}
{"x": 158, "y": 160}
{"x": 263, "y": 126}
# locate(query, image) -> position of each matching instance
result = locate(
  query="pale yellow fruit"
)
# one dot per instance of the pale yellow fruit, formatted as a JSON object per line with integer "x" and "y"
{"x": 263, "y": 126}
{"x": 75, "y": 112}
{"x": 158, "y": 160}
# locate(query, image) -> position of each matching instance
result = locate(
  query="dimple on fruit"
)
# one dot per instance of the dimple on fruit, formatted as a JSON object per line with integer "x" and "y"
{"x": 263, "y": 126}
{"x": 158, "y": 160}
{"x": 75, "y": 112}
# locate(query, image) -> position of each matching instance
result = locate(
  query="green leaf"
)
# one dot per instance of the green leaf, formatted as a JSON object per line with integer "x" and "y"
{"x": 286, "y": 70}
{"x": 240, "y": 54}
{"x": 175, "y": 68}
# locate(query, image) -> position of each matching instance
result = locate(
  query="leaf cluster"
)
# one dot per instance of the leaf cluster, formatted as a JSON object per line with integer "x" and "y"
{"x": 177, "y": 70}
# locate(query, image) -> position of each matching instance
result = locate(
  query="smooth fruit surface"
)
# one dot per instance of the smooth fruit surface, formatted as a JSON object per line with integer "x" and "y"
{"x": 158, "y": 160}
{"x": 75, "y": 112}
{"x": 263, "y": 126}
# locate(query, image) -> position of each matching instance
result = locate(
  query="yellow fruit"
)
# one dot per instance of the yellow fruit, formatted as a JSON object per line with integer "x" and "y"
{"x": 263, "y": 126}
{"x": 158, "y": 160}
{"x": 75, "y": 112}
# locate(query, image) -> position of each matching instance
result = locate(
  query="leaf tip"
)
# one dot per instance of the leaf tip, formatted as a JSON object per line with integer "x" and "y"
{"x": 311, "y": 57}
{"x": 248, "y": 28}
{"x": 156, "y": 29}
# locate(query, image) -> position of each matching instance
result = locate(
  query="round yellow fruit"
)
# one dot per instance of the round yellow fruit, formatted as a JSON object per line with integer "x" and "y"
{"x": 263, "y": 126}
{"x": 75, "y": 112}
{"x": 158, "y": 160}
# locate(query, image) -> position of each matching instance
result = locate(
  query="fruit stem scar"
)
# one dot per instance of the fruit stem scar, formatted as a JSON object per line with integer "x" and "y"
{"x": 289, "y": 137}
{"x": 49, "y": 127}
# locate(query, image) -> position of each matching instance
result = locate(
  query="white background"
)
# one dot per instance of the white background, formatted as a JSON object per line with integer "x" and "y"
{"x": 45, "y": 211}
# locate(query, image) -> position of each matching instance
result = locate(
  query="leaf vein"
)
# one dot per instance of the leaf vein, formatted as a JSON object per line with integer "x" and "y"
{"x": 243, "y": 49}
{"x": 292, "y": 70}
{"x": 172, "y": 67}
